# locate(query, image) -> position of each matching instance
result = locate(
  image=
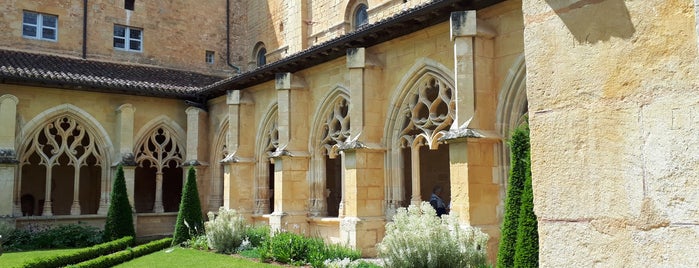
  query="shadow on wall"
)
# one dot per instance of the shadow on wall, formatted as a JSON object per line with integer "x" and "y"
{"x": 591, "y": 21}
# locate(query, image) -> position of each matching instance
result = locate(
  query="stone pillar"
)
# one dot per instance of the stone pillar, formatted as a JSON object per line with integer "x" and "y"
{"x": 197, "y": 148}
{"x": 239, "y": 165}
{"x": 291, "y": 160}
{"x": 124, "y": 153}
{"x": 463, "y": 33}
{"x": 363, "y": 224}
{"x": 363, "y": 156}
{"x": 291, "y": 194}
{"x": 9, "y": 202}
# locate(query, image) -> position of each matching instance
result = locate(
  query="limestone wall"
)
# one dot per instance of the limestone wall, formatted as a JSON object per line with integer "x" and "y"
{"x": 176, "y": 34}
{"x": 613, "y": 112}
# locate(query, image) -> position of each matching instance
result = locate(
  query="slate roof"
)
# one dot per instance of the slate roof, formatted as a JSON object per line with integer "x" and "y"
{"x": 91, "y": 75}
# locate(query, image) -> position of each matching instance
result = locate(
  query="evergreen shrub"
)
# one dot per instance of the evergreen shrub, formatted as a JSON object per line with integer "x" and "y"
{"x": 527, "y": 247}
{"x": 49, "y": 237}
{"x": 80, "y": 255}
{"x": 519, "y": 149}
{"x": 189, "y": 218}
{"x": 125, "y": 255}
{"x": 418, "y": 238}
{"x": 119, "y": 221}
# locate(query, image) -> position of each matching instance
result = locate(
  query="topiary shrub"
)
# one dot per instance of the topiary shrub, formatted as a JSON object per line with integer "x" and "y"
{"x": 189, "y": 218}
{"x": 226, "y": 231}
{"x": 119, "y": 221}
{"x": 418, "y": 238}
{"x": 519, "y": 148}
{"x": 527, "y": 247}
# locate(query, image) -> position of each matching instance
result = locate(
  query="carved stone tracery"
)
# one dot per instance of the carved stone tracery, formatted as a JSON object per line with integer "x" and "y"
{"x": 161, "y": 151}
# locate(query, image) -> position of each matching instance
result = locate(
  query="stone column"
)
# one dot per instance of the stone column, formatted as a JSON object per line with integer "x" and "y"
{"x": 124, "y": 153}
{"x": 463, "y": 33}
{"x": 291, "y": 160}
{"x": 9, "y": 203}
{"x": 197, "y": 148}
{"x": 239, "y": 164}
{"x": 362, "y": 156}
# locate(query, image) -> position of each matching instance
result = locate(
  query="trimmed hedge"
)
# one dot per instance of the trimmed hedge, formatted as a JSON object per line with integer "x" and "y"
{"x": 125, "y": 255}
{"x": 80, "y": 255}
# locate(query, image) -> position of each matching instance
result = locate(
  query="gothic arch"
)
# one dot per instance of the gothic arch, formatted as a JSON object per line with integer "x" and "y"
{"x": 266, "y": 143}
{"x": 159, "y": 154}
{"x": 330, "y": 128}
{"x": 64, "y": 136}
{"x": 425, "y": 70}
{"x": 512, "y": 107}
{"x": 220, "y": 151}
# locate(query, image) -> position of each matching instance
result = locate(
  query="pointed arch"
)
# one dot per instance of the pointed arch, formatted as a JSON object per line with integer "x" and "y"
{"x": 60, "y": 137}
{"x": 219, "y": 152}
{"x": 512, "y": 107}
{"x": 159, "y": 154}
{"x": 414, "y": 119}
{"x": 330, "y": 128}
{"x": 267, "y": 141}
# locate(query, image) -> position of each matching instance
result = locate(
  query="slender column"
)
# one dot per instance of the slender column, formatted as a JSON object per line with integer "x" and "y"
{"x": 415, "y": 174}
{"x": 105, "y": 191}
{"x": 463, "y": 32}
{"x": 75, "y": 208}
{"x": 48, "y": 209}
{"x": 9, "y": 181}
{"x": 158, "y": 206}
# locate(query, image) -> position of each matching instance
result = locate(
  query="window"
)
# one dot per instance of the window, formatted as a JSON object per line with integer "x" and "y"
{"x": 361, "y": 16}
{"x": 261, "y": 57}
{"x": 40, "y": 26}
{"x": 127, "y": 38}
{"x": 209, "y": 57}
{"x": 128, "y": 4}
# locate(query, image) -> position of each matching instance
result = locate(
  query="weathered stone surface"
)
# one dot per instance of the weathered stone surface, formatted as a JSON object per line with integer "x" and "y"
{"x": 613, "y": 130}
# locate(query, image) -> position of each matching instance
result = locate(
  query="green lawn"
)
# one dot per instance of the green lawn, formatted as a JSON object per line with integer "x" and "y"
{"x": 181, "y": 257}
{"x": 16, "y": 259}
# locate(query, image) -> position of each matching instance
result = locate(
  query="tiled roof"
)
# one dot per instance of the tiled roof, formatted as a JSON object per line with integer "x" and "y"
{"x": 59, "y": 71}
{"x": 405, "y": 22}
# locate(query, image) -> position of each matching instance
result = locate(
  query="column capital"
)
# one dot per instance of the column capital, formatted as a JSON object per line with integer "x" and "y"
{"x": 9, "y": 97}
{"x": 360, "y": 58}
{"x": 463, "y": 24}
{"x": 126, "y": 107}
{"x": 191, "y": 110}
{"x": 286, "y": 81}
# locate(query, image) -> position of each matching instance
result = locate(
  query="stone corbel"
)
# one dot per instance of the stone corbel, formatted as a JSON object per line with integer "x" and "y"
{"x": 360, "y": 58}
{"x": 286, "y": 81}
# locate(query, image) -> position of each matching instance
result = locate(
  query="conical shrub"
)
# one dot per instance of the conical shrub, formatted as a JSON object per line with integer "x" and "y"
{"x": 189, "y": 218}
{"x": 519, "y": 149}
{"x": 527, "y": 248}
{"x": 119, "y": 221}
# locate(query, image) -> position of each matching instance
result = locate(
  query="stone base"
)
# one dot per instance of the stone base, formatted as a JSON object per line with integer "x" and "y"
{"x": 362, "y": 233}
{"x": 280, "y": 222}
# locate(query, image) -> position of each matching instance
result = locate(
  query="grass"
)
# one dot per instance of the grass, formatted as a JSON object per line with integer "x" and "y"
{"x": 183, "y": 257}
{"x": 16, "y": 259}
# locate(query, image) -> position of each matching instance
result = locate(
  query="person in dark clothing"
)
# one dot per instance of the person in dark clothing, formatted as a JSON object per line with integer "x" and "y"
{"x": 437, "y": 202}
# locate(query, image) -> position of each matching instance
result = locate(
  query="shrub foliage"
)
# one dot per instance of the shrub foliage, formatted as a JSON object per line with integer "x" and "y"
{"x": 45, "y": 237}
{"x": 125, "y": 255}
{"x": 119, "y": 221}
{"x": 296, "y": 249}
{"x": 226, "y": 231}
{"x": 418, "y": 238}
{"x": 189, "y": 218}
{"x": 527, "y": 253}
{"x": 519, "y": 149}
{"x": 80, "y": 255}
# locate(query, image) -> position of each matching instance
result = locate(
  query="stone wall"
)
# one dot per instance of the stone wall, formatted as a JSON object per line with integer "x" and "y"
{"x": 176, "y": 34}
{"x": 613, "y": 113}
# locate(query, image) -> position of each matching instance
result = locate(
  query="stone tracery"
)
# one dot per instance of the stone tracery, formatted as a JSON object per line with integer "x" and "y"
{"x": 160, "y": 151}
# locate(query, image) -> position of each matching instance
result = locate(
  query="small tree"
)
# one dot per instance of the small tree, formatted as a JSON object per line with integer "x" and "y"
{"x": 519, "y": 149}
{"x": 527, "y": 248}
{"x": 189, "y": 218}
{"x": 119, "y": 218}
